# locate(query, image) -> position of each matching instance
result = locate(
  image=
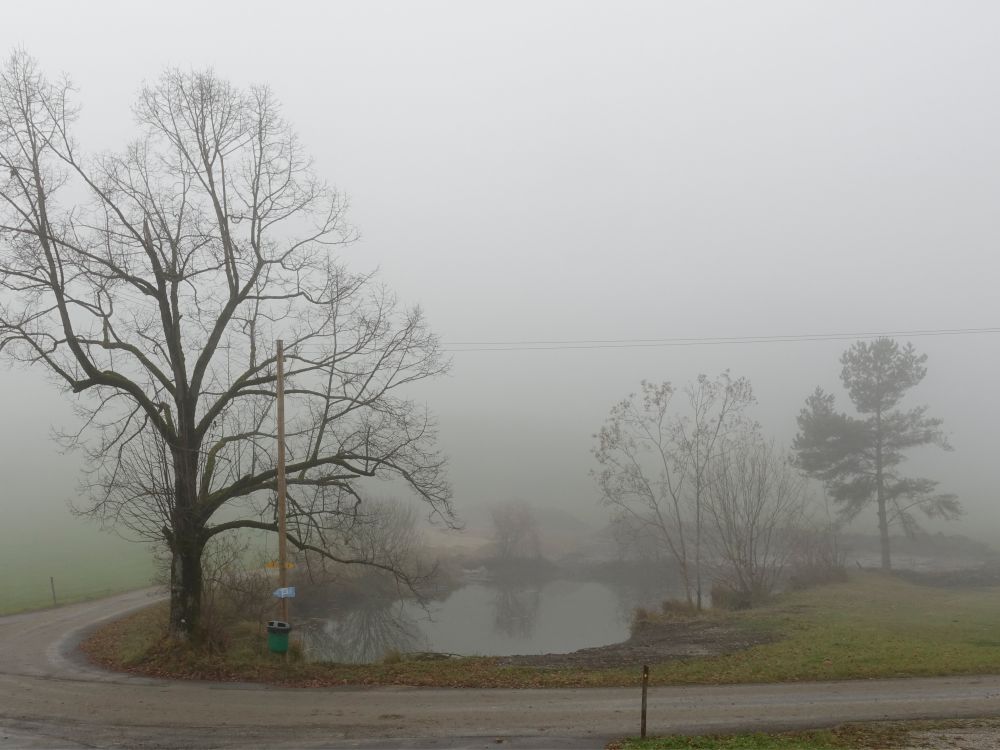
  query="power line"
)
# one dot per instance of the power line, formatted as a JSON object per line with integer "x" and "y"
{"x": 624, "y": 343}
{"x": 552, "y": 345}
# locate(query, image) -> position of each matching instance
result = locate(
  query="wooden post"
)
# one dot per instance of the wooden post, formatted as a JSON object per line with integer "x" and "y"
{"x": 52, "y": 585}
{"x": 645, "y": 688}
{"x": 282, "y": 541}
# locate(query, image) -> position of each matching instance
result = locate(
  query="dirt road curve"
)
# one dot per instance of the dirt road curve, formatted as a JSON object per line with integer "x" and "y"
{"x": 49, "y": 697}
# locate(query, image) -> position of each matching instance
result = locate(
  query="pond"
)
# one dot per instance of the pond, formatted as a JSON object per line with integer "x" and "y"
{"x": 480, "y": 619}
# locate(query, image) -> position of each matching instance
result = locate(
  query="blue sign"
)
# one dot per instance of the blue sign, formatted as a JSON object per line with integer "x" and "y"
{"x": 288, "y": 592}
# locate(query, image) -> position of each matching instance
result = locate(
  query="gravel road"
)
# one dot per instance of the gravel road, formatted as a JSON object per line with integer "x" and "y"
{"x": 50, "y": 697}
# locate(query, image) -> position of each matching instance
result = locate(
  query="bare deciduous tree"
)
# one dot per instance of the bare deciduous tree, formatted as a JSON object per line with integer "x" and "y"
{"x": 755, "y": 502}
{"x": 638, "y": 476}
{"x": 515, "y": 531}
{"x": 152, "y": 283}
{"x": 717, "y": 410}
{"x": 655, "y": 461}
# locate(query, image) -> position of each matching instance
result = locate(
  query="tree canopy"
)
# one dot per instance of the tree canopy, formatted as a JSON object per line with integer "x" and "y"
{"x": 859, "y": 458}
{"x": 152, "y": 283}
{"x": 656, "y": 456}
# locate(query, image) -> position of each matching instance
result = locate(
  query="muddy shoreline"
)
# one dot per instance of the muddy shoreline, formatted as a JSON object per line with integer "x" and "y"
{"x": 653, "y": 642}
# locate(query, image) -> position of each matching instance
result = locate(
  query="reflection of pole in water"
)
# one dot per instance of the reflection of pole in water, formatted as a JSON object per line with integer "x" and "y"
{"x": 515, "y": 611}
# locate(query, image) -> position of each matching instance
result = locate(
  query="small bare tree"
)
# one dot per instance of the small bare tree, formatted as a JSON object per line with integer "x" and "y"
{"x": 755, "y": 502}
{"x": 152, "y": 283}
{"x": 655, "y": 461}
{"x": 515, "y": 531}
{"x": 717, "y": 410}
{"x": 236, "y": 587}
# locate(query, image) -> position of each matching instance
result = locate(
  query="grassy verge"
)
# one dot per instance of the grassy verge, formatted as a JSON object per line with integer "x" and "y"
{"x": 872, "y": 626}
{"x": 848, "y": 737}
{"x": 875, "y": 625}
{"x": 885, "y": 735}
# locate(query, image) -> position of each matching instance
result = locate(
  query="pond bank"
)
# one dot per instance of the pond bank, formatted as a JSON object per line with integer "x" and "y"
{"x": 873, "y": 626}
{"x": 656, "y": 642}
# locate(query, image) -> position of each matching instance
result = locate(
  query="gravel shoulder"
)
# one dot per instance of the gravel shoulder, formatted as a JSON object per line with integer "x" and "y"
{"x": 969, "y": 735}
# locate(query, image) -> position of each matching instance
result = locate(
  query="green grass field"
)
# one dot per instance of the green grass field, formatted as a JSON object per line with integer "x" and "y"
{"x": 875, "y": 625}
{"x": 85, "y": 563}
{"x": 950, "y": 733}
{"x": 867, "y": 736}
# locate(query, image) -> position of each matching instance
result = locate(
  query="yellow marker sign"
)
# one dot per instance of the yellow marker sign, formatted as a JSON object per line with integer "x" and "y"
{"x": 276, "y": 564}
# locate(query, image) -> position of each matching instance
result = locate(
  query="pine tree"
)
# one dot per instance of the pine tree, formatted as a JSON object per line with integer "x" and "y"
{"x": 858, "y": 458}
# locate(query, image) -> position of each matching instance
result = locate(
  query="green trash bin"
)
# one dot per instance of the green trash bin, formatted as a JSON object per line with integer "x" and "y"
{"x": 277, "y": 636}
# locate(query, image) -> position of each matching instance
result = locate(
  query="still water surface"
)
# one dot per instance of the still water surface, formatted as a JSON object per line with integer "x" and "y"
{"x": 479, "y": 619}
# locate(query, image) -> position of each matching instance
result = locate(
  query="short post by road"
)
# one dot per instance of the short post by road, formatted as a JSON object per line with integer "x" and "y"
{"x": 645, "y": 689}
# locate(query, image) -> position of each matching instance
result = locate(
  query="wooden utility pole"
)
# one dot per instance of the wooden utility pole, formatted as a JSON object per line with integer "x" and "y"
{"x": 282, "y": 541}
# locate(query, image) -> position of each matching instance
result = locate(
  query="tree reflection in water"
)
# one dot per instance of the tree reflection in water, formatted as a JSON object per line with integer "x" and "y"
{"x": 515, "y": 610}
{"x": 365, "y": 633}
{"x": 646, "y": 586}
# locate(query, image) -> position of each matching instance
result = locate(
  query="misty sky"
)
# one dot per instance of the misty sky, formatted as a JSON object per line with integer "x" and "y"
{"x": 572, "y": 170}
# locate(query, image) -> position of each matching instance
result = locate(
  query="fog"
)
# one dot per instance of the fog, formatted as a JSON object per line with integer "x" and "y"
{"x": 582, "y": 171}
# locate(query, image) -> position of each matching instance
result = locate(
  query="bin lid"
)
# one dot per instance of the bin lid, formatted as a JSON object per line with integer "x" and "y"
{"x": 278, "y": 624}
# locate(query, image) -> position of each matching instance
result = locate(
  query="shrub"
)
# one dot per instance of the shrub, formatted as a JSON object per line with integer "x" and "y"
{"x": 392, "y": 656}
{"x": 818, "y": 558}
{"x": 236, "y": 590}
{"x": 678, "y": 608}
{"x": 641, "y": 617}
{"x": 726, "y": 597}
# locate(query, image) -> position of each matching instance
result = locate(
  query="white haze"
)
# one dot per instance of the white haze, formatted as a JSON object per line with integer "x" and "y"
{"x": 562, "y": 171}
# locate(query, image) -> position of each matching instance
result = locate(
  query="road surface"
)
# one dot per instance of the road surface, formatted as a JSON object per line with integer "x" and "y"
{"x": 50, "y": 697}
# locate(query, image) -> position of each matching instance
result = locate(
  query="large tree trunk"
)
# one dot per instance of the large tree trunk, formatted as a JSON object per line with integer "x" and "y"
{"x": 187, "y": 542}
{"x": 185, "y": 587}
